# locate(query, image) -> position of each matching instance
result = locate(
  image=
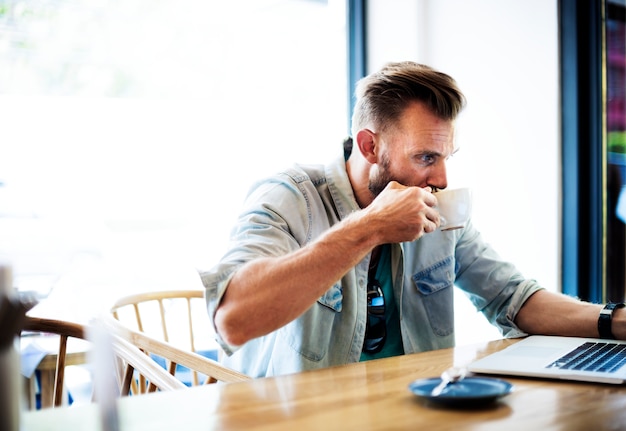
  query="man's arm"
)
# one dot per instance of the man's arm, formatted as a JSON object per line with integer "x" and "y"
{"x": 550, "y": 313}
{"x": 269, "y": 292}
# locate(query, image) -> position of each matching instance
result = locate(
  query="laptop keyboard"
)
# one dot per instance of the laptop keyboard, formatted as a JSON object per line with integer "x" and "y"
{"x": 604, "y": 357}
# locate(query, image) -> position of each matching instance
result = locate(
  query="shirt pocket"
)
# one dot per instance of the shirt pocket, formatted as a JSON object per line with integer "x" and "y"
{"x": 435, "y": 287}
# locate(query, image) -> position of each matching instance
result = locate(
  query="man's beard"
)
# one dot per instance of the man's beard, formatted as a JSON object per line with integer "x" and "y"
{"x": 378, "y": 183}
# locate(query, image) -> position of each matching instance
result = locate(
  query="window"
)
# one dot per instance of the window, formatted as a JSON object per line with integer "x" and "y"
{"x": 592, "y": 101}
{"x": 616, "y": 147}
{"x": 133, "y": 128}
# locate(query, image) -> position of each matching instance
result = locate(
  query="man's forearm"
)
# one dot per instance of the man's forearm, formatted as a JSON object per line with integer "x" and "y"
{"x": 267, "y": 293}
{"x": 550, "y": 313}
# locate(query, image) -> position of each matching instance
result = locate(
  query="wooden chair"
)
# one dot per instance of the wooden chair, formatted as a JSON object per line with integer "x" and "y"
{"x": 161, "y": 323}
{"x": 52, "y": 388}
{"x": 133, "y": 360}
{"x": 138, "y": 373}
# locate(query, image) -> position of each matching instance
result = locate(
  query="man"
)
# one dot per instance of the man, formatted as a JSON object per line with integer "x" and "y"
{"x": 345, "y": 262}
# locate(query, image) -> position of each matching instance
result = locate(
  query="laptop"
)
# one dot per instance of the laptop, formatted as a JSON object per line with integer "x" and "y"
{"x": 566, "y": 358}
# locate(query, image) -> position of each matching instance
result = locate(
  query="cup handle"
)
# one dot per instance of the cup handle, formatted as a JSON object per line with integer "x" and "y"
{"x": 442, "y": 221}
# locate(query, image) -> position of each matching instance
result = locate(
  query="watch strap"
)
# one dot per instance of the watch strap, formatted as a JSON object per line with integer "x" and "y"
{"x": 605, "y": 319}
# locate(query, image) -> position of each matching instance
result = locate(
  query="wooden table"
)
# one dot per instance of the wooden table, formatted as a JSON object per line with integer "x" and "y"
{"x": 365, "y": 396}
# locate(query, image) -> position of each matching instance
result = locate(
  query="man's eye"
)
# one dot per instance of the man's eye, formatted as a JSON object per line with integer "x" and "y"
{"x": 427, "y": 159}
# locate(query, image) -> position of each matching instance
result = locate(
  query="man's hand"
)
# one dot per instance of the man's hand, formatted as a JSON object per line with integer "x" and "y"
{"x": 402, "y": 213}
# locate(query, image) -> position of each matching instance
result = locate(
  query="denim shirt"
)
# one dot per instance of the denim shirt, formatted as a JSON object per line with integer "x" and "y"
{"x": 290, "y": 210}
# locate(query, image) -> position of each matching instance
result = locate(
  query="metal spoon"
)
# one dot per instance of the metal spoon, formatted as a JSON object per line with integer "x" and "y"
{"x": 449, "y": 376}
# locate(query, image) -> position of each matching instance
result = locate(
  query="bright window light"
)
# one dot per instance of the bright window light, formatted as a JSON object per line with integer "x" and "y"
{"x": 132, "y": 129}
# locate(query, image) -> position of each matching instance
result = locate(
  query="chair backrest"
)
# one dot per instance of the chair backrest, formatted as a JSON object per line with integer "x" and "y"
{"x": 133, "y": 360}
{"x": 206, "y": 370}
{"x": 64, "y": 330}
{"x": 165, "y": 325}
{"x": 138, "y": 373}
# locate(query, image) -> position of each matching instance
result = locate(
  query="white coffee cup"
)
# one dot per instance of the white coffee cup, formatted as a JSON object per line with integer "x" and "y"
{"x": 455, "y": 207}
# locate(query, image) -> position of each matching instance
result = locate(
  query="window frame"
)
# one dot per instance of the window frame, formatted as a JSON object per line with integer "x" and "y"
{"x": 357, "y": 49}
{"x": 584, "y": 154}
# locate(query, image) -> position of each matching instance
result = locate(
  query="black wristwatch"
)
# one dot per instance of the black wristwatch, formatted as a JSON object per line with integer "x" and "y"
{"x": 605, "y": 318}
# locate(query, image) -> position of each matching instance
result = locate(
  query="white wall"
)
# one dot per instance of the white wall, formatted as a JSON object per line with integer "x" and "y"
{"x": 504, "y": 56}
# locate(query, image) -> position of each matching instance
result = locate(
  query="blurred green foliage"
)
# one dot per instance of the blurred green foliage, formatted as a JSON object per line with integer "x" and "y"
{"x": 617, "y": 142}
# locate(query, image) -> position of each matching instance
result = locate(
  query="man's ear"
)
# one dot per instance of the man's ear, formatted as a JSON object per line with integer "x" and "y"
{"x": 365, "y": 141}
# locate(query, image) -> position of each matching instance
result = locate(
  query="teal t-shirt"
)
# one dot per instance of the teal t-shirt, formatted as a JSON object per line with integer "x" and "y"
{"x": 393, "y": 343}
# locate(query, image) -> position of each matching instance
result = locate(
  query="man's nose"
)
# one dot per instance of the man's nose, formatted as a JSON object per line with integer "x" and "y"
{"x": 438, "y": 177}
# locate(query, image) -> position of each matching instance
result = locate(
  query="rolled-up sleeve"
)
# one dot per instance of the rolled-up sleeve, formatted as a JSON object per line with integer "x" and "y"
{"x": 215, "y": 282}
{"x": 494, "y": 286}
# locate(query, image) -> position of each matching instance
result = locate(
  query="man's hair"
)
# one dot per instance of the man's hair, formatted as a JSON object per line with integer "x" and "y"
{"x": 382, "y": 97}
